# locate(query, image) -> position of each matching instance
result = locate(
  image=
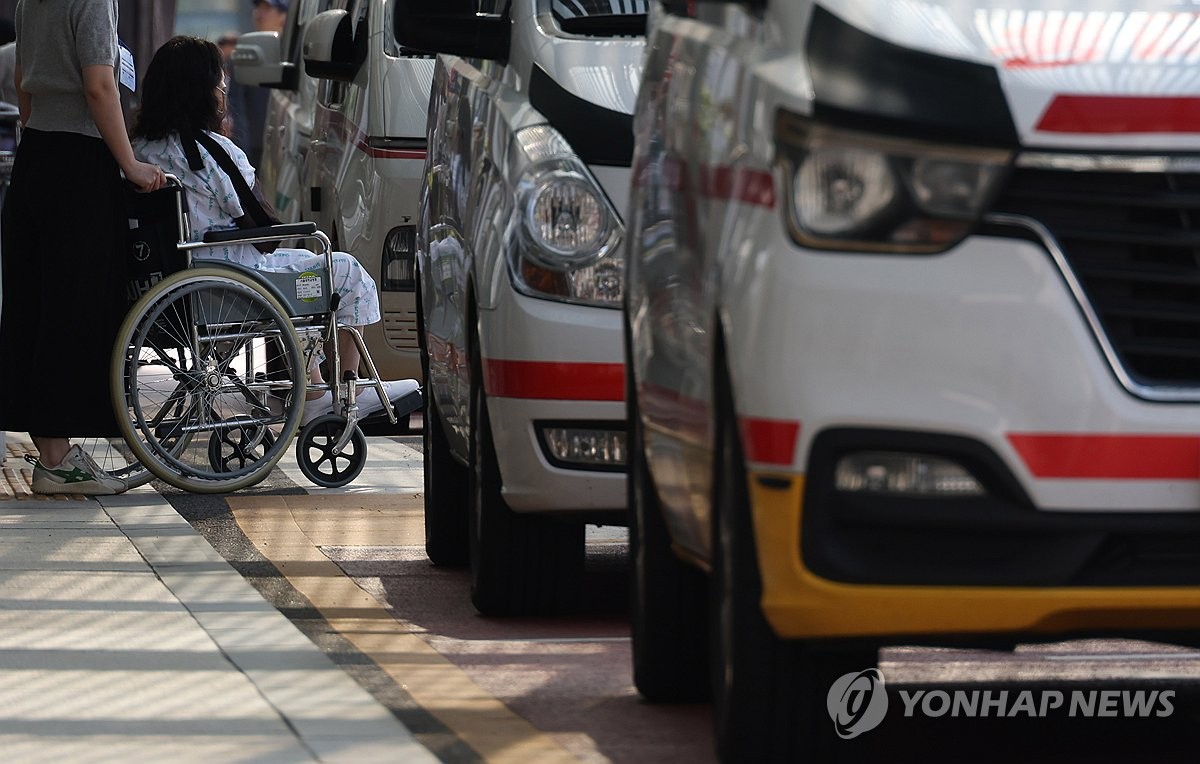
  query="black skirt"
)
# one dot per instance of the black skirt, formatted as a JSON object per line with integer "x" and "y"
{"x": 62, "y": 237}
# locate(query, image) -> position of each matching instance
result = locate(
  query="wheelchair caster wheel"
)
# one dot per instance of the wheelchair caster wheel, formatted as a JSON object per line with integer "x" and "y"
{"x": 233, "y": 449}
{"x": 314, "y": 453}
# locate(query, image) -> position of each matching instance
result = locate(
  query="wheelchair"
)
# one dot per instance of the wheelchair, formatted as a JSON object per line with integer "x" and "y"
{"x": 210, "y": 370}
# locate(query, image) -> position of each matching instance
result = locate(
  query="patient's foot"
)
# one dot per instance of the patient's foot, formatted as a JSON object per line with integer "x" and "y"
{"x": 315, "y": 407}
{"x": 368, "y": 398}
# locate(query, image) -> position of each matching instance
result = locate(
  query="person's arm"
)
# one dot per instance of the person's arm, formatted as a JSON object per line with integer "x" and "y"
{"x": 24, "y": 102}
{"x": 104, "y": 103}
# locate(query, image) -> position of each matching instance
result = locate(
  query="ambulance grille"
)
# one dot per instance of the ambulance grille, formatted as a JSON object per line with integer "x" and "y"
{"x": 1133, "y": 241}
{"x": 400, "y": 328}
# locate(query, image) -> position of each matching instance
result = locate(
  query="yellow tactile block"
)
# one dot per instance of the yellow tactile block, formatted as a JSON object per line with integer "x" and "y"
{"x": 289, "y": 531}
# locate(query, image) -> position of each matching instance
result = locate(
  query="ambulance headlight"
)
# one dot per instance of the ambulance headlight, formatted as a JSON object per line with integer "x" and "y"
{"x": 952, "y": 187}
{"x": 858, "y": 191}
{"x": 570, "y": 236}
{"x": 567, "y": 221}
{"x": 839, "y": 191}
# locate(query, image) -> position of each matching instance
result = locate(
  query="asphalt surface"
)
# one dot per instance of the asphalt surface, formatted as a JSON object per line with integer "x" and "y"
{"x": 568, "y": 677}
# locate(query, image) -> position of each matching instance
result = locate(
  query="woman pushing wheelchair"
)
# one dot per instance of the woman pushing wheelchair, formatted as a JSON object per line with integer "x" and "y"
{"x": 63, "y": 235}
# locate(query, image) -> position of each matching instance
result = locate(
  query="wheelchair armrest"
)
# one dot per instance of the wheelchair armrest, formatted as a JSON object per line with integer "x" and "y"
{"x": 281, "y": 231}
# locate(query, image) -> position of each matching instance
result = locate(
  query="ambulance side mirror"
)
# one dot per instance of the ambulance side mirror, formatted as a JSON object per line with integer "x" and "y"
{"x": 329, "y": 50}
{"x": 258, "y": 60}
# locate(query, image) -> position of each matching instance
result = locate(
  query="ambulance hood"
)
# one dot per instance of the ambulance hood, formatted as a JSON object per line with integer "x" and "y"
{"x": 1071, "y": 73}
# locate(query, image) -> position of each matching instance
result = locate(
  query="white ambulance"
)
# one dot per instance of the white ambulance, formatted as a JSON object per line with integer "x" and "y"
{"x": 913, "y": 306}
{"x": 344, "y": 146}
{"x": 519, "y": 285}
{"x": 365, "y": 168}
{"x": 273, "y": 60}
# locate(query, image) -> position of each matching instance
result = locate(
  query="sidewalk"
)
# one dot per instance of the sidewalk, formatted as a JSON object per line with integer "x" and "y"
{"x": 125, "y": 637}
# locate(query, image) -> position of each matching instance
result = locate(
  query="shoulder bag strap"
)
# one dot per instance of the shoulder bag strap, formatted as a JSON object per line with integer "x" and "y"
{"x": 250, "y": 203}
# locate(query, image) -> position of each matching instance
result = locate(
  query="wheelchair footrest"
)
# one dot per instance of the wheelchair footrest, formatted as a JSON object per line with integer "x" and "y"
{"x": 403, "y": 404}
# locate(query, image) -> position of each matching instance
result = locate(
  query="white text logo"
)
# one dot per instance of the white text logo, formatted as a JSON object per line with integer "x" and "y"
{"x": 1040, "y": 703}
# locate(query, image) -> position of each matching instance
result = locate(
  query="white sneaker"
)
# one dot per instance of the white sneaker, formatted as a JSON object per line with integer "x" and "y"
{"x": 78, "y": 473}
{"x": 317, "y": 407}
{"x": 368, "y": 397}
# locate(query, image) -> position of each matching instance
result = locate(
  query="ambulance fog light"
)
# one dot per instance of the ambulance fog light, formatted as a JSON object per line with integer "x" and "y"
{"x": 576, "y": 447}
{"x": 398, "y": 266}
{"x": 904, "y": 474}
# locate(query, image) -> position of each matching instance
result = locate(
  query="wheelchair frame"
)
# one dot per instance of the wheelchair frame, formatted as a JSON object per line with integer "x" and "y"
{"x": 159, "y": 442}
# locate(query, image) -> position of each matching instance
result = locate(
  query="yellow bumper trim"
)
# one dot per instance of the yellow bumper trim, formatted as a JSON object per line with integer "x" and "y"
{"x": 799, "y": 604}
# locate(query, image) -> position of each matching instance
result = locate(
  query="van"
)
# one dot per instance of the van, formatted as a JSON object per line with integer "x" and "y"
{"x": 366, "y": 161}
{"x": 272, "y": 60}
{"x": 912, "y": 305}
{"x": 519, "y": 283}
{"x": 344, "y": 147}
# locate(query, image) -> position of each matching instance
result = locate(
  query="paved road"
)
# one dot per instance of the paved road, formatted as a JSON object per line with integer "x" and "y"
{"x": 1072, "y": 686}
{"x": 348, "y": 567}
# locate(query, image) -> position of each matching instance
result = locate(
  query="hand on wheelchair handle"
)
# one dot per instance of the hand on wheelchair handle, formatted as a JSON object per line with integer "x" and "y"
{"x": 147, "y": 177}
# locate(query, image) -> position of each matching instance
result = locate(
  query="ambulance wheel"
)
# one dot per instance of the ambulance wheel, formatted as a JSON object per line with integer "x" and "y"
{"x": 446, "y": 542}
{"x": 668, "y": 597}
{"x": 771, "y": 695}
{"x": 521, "y": 564}
{"x": 446, "y": 484}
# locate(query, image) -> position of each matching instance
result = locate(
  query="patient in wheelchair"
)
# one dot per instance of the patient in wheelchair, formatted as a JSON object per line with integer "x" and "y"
{"x": 183, "y": 96}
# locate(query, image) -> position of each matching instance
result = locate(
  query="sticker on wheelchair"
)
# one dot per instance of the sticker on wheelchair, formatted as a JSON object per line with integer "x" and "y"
{"x": 308, "y": 287}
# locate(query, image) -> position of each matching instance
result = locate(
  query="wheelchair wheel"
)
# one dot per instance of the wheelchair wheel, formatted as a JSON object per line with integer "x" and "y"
{"x": 117, "y": 459}
{"x": 314, "y": 452}
{"x": 192, "y": 368}
{"x": 236, "y": 447}
{"x": 114, "y": 456}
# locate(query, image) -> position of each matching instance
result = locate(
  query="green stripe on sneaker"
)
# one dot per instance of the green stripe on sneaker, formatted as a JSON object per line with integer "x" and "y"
{"x": 73, "y": 475}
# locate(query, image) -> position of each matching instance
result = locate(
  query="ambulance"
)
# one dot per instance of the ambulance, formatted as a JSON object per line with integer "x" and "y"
{"x": 519, "y": 286}
{"x": 913, "y": 342}
{"x": 344, "y": 147}
{"x": 364, "y": 169}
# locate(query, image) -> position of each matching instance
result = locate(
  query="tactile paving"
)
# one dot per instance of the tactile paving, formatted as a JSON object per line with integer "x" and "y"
{"x": 16, "y": 474}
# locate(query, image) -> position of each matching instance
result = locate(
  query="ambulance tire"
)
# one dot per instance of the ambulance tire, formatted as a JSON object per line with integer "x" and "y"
{"x": 769, "y": 694}
{"x": 668, "y": 598}
{"x": 521, "y": 564}
{"x": 446, "y": 541}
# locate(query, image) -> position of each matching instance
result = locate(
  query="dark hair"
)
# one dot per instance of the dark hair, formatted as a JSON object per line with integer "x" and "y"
{"x": 179, "y": 91}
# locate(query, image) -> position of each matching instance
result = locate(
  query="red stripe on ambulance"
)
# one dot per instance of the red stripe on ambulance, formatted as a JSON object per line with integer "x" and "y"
{"x": 769, "y": 441}
{"x": 1109, "y": 457}
{"x": 1121, "y": 114}
{"x": 552, "y": 380}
